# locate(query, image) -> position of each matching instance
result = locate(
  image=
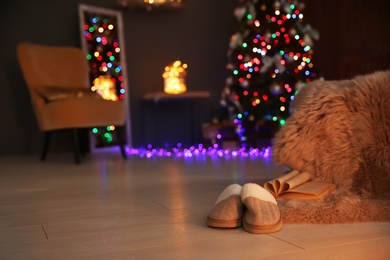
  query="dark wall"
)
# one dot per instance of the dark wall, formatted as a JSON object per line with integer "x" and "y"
{"x": 354, "y": 37}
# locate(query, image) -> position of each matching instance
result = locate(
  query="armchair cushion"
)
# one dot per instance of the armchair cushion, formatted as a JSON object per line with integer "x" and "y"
{"x": 51, "y": 94}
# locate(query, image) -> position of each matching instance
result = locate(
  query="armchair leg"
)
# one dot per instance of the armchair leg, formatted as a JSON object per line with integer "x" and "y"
{"x": 46, "y": 144}
{"x": 82, "y": 142}
{"x": 76, "y": 148}
{"x": 120, "y": 131}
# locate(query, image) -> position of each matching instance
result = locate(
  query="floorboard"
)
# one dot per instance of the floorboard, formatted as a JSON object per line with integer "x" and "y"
{"x": 153, "y": 208}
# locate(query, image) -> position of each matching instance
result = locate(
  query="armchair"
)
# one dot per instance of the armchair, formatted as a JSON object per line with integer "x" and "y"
{"x": 58, "y": 81}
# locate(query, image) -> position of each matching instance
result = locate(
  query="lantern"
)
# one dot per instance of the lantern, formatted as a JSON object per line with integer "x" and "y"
{"x": 174, "y": 78}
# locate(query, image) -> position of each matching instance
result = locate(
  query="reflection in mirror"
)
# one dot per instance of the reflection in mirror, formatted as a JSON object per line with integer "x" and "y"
{"x": 102, "y": 41}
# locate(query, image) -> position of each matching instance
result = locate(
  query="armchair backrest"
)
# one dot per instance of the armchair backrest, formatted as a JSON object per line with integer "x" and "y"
{"x": 53, "y": 66}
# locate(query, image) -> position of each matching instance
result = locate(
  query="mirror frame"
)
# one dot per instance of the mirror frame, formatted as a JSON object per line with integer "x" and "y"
{"x": 84, "y": 10}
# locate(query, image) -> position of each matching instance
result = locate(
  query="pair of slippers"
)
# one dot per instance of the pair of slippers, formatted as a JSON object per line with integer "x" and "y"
{"x": 250, "y": 206}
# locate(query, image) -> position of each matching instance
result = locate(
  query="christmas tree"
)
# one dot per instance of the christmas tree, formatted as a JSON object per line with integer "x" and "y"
{"x": 269, "y": 60}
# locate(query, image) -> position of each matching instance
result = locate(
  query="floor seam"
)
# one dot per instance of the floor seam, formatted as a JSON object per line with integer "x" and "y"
{"x": 287, "y": 242}
{"x": 44, "y": 231}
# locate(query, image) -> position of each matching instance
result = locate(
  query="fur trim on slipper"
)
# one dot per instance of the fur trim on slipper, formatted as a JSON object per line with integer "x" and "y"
{"x": 228, "y": 209}
{"x": 262, "y": 214}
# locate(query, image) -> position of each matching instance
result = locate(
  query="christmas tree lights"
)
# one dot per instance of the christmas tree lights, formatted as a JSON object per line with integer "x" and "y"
{"x": 270, "y": 59}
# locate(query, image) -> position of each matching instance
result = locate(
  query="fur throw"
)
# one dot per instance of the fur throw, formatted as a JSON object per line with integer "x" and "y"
{"x": 339, "y": 132}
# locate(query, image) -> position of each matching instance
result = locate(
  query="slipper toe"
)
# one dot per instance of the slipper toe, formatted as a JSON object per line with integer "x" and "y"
{"x": 228, "y": 209}
{"x": 262, "y": 214}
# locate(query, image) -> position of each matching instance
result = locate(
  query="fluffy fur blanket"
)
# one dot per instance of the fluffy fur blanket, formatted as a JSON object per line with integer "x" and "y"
{"x": 339, "y": 132}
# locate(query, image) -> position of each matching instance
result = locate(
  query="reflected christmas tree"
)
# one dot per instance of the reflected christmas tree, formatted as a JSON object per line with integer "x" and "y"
{"x": 101, "y": 39}
{"x": 270, "y": 59}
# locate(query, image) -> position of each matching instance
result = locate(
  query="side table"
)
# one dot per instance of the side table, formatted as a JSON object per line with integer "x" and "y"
{"x": 158, "y": 97}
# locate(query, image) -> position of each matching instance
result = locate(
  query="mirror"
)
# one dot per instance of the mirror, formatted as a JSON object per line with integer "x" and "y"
{"x": 103, "y": 42}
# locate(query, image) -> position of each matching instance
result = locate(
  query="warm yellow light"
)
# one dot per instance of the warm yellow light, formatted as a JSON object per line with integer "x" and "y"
{"x": 174, "y": 78}
{"x": 155, "y": 1}
{"x": 104, "y": 86}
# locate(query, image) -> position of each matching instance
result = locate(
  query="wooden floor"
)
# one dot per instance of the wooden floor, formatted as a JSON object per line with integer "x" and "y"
{"x": 152, "y": 208}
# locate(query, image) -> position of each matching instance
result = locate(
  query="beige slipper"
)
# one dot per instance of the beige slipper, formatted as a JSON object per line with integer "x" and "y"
{"x": 228, "y": 209}
{"x": 262, "y": 214}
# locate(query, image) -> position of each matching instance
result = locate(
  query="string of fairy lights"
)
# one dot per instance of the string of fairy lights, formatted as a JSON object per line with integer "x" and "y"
{"x": 270, "y": 59}
{"x": 202, "y": 152}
